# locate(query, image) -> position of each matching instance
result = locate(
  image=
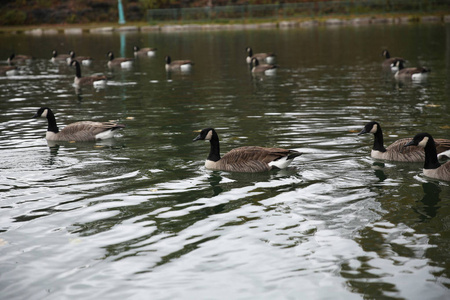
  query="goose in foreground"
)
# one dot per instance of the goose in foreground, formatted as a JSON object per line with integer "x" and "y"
{"x": 18, "y": 58}
{"x": 178, "y": 65}
{"x": 84, "y": 60}
{"x": 396, "y": 151}
{"x": 96, "y": 80}
{"x": 144, "y": 51}
{"x": 59, "y": 57}
{"x": 431, "y": 168}
{"x": 249, "y": 159}
{"x": 123, "y": 62}
{"x": 418, "y": 73}
{"x": 390, "y": 62}
{"x": 8, "y": 70}
{"x": 264, "y": 68}
{"x": 267, "y": 57}
{"x": 83, "y": 131}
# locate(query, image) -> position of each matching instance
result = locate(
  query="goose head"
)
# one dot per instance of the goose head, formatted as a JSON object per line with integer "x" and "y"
{"x": 168, "y": 59}
{"x": 110, "y": 55}
{"x": 205, "y": 134}
{"x": 399, "y": 64}
{"x": 420, "y": 139}
{"x": 249, "y": 51}
{"x": 136, "y": 48}
{"x": 371, "y": 127}
{"x": 385, "y": 54}
{"x": 42, "y": 112}
{"x": 254, "y": 62}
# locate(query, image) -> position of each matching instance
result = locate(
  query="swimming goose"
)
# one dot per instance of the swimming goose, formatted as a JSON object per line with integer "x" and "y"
{"x": 83, "y": 131}
{"x": 8, "y": 70}
{"x": 144, "y": 51}
{"x": 245, "y": 159}
{"x": 178, "y": 65}
{"x": 123, "y": 62}
{"x": 396, "y": 151}
{"x": 390, "y": 62}
{"x": 18, "y": 58}
{"x": 418, "y": 73}
{"x": 59, "y": 57}
{"x": 84, "y": 60}
{"x": 431, "y": 168}
{"x": 96, "y": 80}
{"x": 264, "y": 68}
{"x": 267, "y": 57}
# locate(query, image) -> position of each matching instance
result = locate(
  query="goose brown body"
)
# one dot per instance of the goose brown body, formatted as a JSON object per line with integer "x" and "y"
{"x": 177, "y": 65}
{"x": 262, "y": 68}
{"x": 410, "y": 73}
{"x": 248, "y": 159}
{"x": 82, "y": 131}
{"x": 396, "y": 151}
{"x": 431, "y": 168}
{"x": 267, "y": 57}
{"x": 88, "y": 80}
{"x": 118, "y": 61}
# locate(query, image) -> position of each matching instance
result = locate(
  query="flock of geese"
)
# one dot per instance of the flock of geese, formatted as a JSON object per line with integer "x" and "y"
{"x": 422, "y": 148}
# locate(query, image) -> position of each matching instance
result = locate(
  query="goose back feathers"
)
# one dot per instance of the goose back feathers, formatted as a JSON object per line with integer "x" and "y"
{"x": 417, "y": 73}
{"x": 144, "y": 51}
{"x": 178, "y": 65}
{"x": 396, "y": 151}
{"x": 83, "y": 131}
{"x": 267, "y": 57}
{"x": 264, "y": 68}
{"x": 123, "y": 62}
{"x": 245, "y": 159}
{"x": 96, "y": 80}
{"x": 431, "y": 168}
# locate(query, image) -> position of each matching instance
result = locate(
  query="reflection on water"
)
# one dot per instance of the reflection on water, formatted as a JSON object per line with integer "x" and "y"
{"x": 140, "y": 213}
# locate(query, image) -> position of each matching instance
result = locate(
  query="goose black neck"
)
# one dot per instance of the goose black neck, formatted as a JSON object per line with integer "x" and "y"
{"x": 51, "y": 122}
{"x": 250, "y": 52}
{"x": 387, "y": 55}
{"x": 77, "y": 70}
{"x": 431, "y": 161}
{"x": 378, "y": 141}
{"x": 214, "y": 153}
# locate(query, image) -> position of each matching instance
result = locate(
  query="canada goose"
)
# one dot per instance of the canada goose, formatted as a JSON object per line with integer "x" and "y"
{"x": 431, "y": 168}
{"x": 396, "y": 151}
{"x": 390, "y": 62}
{"x": 265, "y": 68}
{"x": 96, "y": 80}
{"x": 59, "y": 57}
{"x": 267, "y": 57}
{"x": 144, "y": 51}
{"x": 84, "y": 60}
{"x": 8, "y": 70}
{"x": 178, "y": 65}
{"x": 418, "y": 73}
{"x": 123, "y": 62}
{"x": 83, "y": 131}
{"x": 18, "y": 58}
{"x": 245, "y": 159}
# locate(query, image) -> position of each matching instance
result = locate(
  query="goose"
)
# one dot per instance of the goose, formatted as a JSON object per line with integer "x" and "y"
{"x": 178, "y": 65}
{"x": 390, "y": 62}
{"x": 96, "y": 80}
{"x": 144, "y": 51}
{"x": 431, "y": 168}
{"x": 18, "y": 58}
{"x": 264, "y": 68}
{"x": 396, "y": 151}
{"x": 267, "y": 57}
{"x": 245, "y": 159}
{"x": 123, "y": 62}
{"x": 418, "y": 73}
{"x": 84, "y": 60}
{"x": 59, "y": 57}
{"x": 83, "y": 131}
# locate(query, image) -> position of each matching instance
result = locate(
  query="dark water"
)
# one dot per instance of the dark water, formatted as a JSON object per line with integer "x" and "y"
{"x": 139, "y": 217}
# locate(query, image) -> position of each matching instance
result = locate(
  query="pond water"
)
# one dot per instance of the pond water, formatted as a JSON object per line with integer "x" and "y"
{"x": 139, "y": 216}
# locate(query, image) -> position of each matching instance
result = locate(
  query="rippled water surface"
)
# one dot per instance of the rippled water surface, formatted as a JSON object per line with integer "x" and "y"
{"x": 139, "y": 217}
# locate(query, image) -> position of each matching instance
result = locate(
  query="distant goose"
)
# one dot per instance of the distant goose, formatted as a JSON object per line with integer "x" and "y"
{"x": 84, "y": 60}
{"x": 418, "y": 73}
{"x": 396, "y": 151}
{"x": 267, "y": 57}
{"x": 390, "y": 62}
{"x": 245, "y": 159}
{"x": 96, "y": 80}
{"x": 144, "y": 51}
{"x": 59, "y": 57}
{"x": 431, "y": 168}
{"x": 83, "y": 131}
{"x": 8, "y": 70}
{"x": 265, "y": 68}
{"x": 183, "y": 65}
{"x": 123, "y": 62}
{"x": 18, "y": 58}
